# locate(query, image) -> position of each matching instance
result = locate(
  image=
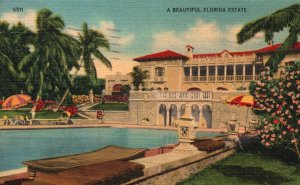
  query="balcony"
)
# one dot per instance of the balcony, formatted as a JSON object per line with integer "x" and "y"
{"x": 228, "y": 78}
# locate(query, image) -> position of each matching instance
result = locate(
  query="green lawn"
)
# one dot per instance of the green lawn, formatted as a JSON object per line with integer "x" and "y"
{"x": 42, "y": 115}
{"x": 110, "y": 106}
{"x": 245, "y": 168}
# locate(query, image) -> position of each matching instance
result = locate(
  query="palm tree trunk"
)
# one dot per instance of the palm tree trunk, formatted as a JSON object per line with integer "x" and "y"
{"x": 34, "y": 106}
{"x": 68, "y": 90}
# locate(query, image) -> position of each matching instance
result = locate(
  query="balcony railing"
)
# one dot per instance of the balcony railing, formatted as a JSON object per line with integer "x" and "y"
{"x": 228, "y": 78}
{"x": 183, "y": 95}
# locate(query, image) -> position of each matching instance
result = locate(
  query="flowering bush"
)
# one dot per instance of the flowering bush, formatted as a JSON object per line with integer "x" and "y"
{"x": 100, "y": 114}
{"x": 278, "y": 100}
{"x": 98, "y": 98}
{"x": 72, "y": 109}
{"x": 80, "y": 99}
{"x": 115, "y": 98}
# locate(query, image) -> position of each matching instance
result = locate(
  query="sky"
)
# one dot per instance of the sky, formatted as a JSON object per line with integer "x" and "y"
{"x": 139, "y": 27}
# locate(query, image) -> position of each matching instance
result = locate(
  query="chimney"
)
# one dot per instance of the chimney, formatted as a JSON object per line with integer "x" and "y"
{"x": 189, "y": 51}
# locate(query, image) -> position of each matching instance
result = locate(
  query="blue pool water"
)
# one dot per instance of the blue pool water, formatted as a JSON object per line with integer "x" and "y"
{"x": 17, "y": 146}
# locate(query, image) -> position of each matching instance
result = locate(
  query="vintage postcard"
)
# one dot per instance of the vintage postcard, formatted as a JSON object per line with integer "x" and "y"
{"x": 149, "y": 92}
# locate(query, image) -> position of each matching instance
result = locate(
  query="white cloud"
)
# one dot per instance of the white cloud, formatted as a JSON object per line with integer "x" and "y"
{"x": 28, "y": 18}
{"x": 120, "y": 63}
{"x": 205, "y": 37}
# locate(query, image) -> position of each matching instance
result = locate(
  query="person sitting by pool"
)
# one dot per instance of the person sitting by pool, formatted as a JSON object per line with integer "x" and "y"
{"x": 6, "y": 120}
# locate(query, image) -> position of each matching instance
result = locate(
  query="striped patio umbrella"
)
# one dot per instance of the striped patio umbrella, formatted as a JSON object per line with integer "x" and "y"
{"x": 16, "y": 101}
{"x": 242, "y": 100}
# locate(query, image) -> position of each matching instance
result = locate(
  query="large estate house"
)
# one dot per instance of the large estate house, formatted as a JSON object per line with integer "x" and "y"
{"x": 226, "y": 70}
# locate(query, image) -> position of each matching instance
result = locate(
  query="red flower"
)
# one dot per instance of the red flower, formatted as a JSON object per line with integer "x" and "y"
{"x": 275, "y": 121}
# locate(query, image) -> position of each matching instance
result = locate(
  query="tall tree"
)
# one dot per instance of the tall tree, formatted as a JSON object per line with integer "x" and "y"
{"x": 55, "y": 53}
{"x": 288, "y": 17}
{"x": 14, "y": 41}
{"x": 91, "y": 41}
{"x": 138, "y": 77}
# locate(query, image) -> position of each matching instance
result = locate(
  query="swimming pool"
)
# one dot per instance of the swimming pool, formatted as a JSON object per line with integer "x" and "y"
{"x": 17, "y": 146}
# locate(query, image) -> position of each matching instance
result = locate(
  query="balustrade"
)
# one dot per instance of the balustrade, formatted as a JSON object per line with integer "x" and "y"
{"x": 183, "y": 95}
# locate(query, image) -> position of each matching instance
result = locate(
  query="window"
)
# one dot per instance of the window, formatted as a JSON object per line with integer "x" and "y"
{"x": 258, "y": 68}
{"x": 229, "y": 70}
{"x": 202, "y": 70}
{"x": 221, "y": 70}
{"x": 211, "y": 70}
{"x": 194, "y": 71}
{"x": 239, "y": 69}
{"x": 160, "y": 71}
{"x": 249, "y": 69}
{"x": 166, "y": 89}
{"x": 186, "y": 71}
{"x": 159, "y": 89}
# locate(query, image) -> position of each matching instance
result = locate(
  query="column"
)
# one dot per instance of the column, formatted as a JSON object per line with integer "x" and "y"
{"x": 206, "y": 73}
{"x": 200, "y": 117}
{"x": 244, "y": 72}
{"x": 225, "y": 72}
{"x": 167, "y": 116}
{"x": 190, "y": 73}
{"x": 178, "y": 112}
{"x": 198, "y": 74}
{"x": 234, "y": 71}
{"x": 216, "y": 73}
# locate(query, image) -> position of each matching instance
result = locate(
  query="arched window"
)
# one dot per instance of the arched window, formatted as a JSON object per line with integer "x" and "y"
{"x": 159, "y": 89}
{"x": 159, "y": 71}
{"x": 194, "y": 89}
{"x": 222, "y": 89}
{"x": 166, "y": 89}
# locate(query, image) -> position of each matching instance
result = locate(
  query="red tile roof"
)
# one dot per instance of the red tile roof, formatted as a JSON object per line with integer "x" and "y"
{"x": 273, "y": 48}
{"x": 161, "y": 56}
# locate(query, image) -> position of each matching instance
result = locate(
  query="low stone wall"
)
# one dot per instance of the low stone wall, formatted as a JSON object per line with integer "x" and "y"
{"x": 172, "y": 172}
{"x": 111, "y": 116}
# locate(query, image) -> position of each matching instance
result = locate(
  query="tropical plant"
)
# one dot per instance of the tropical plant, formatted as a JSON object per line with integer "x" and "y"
{"x": 14, "y": 41}
{"x": 138, "y": 77}
{"x": 279, "y": 108}
{"x": 288, "y": 17}
{"x": 90, "y": 41}
{"x": 55, "y": 53}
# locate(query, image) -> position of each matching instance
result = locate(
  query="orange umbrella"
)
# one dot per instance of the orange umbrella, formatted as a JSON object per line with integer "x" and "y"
{"x": 16, "y": 101}
{"x": 243, "y": 100}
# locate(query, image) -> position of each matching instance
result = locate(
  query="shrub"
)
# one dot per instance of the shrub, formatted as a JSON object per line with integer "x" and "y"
{"x": 278, "y": 100}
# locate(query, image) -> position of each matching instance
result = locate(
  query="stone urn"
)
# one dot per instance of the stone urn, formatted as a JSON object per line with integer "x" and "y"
{"x": 186, "y": 129}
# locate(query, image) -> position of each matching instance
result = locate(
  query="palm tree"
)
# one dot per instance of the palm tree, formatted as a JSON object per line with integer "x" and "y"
{"x": 288, "y": 17}
{"x": 54, "y": 55}
{"x": 5, "y": 48}
{"x": 138, "y": 77}
{"x": 90, "y": 41}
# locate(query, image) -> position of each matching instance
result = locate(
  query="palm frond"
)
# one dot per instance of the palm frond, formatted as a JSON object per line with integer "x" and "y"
{"x": 102, "y": 58}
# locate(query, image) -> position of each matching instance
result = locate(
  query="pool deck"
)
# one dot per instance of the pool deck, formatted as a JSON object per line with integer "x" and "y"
{"x": 97, "y": 125}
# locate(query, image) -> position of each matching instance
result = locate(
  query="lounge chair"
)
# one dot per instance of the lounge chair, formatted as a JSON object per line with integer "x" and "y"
{"x": 6, "y": 120}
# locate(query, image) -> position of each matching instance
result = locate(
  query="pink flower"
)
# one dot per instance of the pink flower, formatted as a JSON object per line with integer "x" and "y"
{"x": 272, "y": 139}
{"x": 273, "y": 135}
{"x": 298, "y": 122}
{"x": 268, "y": 144}
{"x": 280, "y": 97}
{"x": 284, "y": 132}
{"x": 263, "y": 140}
{"x": 275, "y": 121}
{"x": 294, "y": 141}
{"x": 280, "y": 136}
